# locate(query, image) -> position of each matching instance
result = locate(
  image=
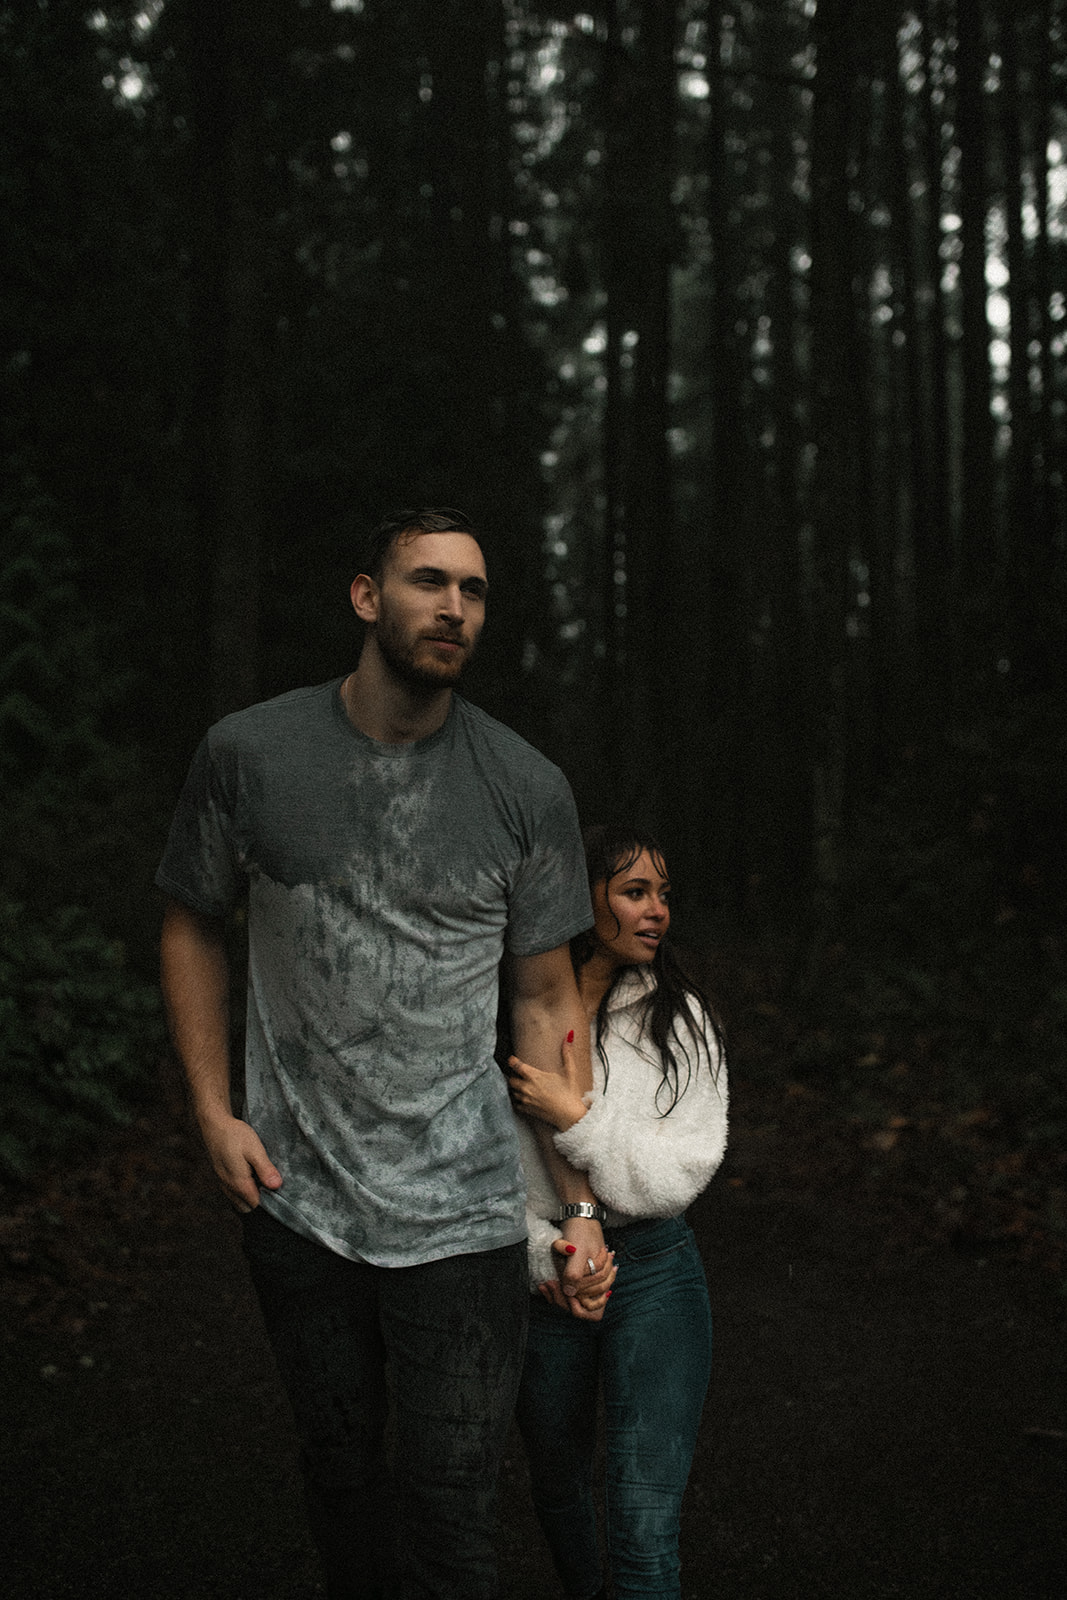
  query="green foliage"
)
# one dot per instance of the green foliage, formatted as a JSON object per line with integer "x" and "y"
{"x": 78, "y": 1035}
{"x": 68, "y": 793}
{"x": 933, "y": 1018}
{"x": 76, "y": 1028}
{"x": 947, "y": 971}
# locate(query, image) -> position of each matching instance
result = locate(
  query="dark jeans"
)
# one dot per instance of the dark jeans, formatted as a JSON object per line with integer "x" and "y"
{"x": 651, "y": 1355}
{"x": 418, "y": 1521}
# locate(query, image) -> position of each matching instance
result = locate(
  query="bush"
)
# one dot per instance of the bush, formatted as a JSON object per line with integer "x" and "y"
{"x": 77, "y": 1027}
{"x": 933, "y": 1017}
{"x": 67, "y": 791}
{"x": 78, "y": 1037}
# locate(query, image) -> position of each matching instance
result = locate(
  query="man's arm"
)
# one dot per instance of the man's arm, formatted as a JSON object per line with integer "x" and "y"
{"x": 545, "y": 1008}
{"x": 196, "y": 986}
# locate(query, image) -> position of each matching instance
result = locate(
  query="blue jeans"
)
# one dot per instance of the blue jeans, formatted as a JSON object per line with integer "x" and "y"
{"x": 418, "y": 1521}
{"x": 651, "y": 1355}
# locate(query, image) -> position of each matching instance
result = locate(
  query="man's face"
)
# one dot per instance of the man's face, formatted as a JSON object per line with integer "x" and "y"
{"x": 430, "y": 607}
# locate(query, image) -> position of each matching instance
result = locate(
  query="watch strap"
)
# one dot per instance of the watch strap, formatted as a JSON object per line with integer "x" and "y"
{"x": 582, "y": 1208}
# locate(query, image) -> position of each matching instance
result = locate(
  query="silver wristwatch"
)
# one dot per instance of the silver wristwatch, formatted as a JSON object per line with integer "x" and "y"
{"x": 582, "y": 1208}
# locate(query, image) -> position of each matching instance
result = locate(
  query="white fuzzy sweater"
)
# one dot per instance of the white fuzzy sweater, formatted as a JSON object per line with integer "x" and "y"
{"x": 639, "y": 1163}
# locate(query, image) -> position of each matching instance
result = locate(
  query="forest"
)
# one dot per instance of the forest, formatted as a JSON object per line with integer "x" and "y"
{"x": 739, "y": 326}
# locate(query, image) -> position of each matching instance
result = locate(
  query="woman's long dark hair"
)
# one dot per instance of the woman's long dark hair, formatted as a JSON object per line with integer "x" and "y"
{"x": 677, "y": 1007}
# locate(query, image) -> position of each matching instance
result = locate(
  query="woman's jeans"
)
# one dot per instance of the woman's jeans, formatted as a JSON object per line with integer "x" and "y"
{"x": 421, "y": 1522}
{"x": 651, "y": 1354}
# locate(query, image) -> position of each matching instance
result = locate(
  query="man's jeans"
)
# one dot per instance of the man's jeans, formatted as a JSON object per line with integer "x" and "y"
{"x": 652, "y": 1356}
{"x": 417, "y": 1519}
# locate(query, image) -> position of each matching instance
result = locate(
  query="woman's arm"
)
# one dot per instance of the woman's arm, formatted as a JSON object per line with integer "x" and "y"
{"x": 558, "y": 1098}
{"x": 545, "y": 1008}
{"x": 640, "y": 1163}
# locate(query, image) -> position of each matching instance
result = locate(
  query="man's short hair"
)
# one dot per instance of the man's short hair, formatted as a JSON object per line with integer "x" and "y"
{"x": 416, "y": 519}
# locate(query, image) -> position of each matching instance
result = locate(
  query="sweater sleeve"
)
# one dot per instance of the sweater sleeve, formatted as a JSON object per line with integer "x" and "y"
{"x": 541, "y": 1206}
{"x": 639, "y": 1163}
{"x": 540, "y": 1261}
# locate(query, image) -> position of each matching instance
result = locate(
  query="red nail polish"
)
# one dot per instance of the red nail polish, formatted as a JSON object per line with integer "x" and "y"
{"x": 570, "y": 1037}
{"x": 571, "y": 1249}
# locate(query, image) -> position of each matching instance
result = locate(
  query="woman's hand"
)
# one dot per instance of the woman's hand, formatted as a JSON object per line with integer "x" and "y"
{"x": 590, "y": 1303}
{"x": 552, "y": 1097}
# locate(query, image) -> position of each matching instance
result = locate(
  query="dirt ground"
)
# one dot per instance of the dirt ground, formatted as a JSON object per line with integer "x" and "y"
{"x": 887, "y": 1416}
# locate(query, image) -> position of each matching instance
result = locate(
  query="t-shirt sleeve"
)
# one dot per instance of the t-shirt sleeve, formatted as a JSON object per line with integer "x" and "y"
{"x": 549, "y": 900}
{"x": 199, "y": 865}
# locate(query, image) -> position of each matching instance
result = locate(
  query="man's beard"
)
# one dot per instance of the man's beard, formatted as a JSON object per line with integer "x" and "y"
{"x": 398, "y": 653}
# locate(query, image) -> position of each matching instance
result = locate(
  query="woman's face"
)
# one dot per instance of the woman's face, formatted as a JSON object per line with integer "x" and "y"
{"x": 630, "y": 912}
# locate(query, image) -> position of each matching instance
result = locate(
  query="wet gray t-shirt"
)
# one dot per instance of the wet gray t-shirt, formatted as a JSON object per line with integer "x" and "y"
{"x": 384, "y": 882}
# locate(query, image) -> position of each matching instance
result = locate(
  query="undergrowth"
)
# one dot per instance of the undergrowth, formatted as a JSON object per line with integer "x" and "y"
{"x": 79, "y": 1037}
{"x": 80, "y": 1032}
{"x": 933, "y": 1015}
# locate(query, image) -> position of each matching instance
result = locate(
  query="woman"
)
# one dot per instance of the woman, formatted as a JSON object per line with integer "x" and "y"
{"x": 649, "y": 1135}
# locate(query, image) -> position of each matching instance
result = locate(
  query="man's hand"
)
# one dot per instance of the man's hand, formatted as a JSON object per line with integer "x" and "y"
{"x": 196, "y": 981}
{"x": 241, "y": 1163}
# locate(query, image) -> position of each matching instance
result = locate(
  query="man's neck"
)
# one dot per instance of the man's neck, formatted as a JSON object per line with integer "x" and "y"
{"x": 389, "y": 711}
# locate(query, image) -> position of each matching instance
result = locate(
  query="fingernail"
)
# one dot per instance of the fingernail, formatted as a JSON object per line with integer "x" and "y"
{"x": 570, "y": 1037}
{"x": 572, "y": 1249}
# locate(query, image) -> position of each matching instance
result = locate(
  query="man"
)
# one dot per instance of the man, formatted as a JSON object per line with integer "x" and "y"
{"x": 393, "y": 841}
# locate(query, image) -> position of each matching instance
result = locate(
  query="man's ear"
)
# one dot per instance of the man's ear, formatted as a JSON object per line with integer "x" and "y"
{"x": 364, "y": 594}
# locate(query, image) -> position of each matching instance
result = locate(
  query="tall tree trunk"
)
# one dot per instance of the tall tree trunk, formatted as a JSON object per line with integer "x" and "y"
{"x": 233, "y": 55}
{"x": 872, "y": 675}
{"x": 1022, "y": 534}
{"x": 977, "y": 509}
{"x": 928, "y": 664}
{"x": 1038, "y": 631}
{"x": 727, "y": 722}
{"x": 791, "y": 794}
{"x": 468, "y": 291}
{"x": 654, "y": 654}
{"x": 935, "y": 565}
{"x": 1050, "y": 432}
{"x": 638, "y": 274}
{"x": 615, "y": 237}
{"x": 838, "y": 411}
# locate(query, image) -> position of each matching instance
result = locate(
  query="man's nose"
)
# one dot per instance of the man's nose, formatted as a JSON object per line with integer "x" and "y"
{"x": 451, "y": 602}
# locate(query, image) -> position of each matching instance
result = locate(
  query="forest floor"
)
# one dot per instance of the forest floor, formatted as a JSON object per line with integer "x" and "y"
{"x": 887, "y": 1415}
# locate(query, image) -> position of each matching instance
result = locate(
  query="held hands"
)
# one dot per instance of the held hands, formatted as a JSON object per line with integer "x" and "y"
{"x": 241, "y": 1163}
{"x": 552, "y": 1097}
{"x": 586, "y": 1293}
{"x": 585, "y": 1269}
